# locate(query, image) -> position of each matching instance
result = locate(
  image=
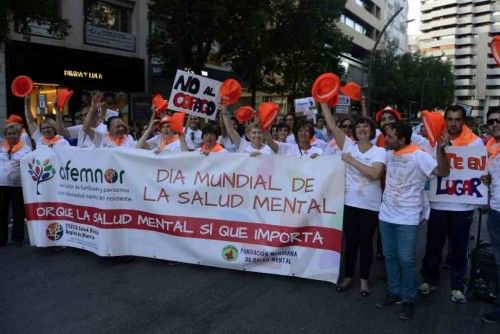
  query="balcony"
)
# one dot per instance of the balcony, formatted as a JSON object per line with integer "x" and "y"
{"x": 465, "y": 61}
{"x": 465, "y": 41}
{"x": 464, "y": 92}
{"x": 464, "y": 71}
{"x": 464, "y": 51}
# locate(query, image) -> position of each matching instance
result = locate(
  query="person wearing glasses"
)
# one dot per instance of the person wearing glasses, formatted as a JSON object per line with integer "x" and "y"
{"x": 256, "y": 144}
{"x": 365, "y": 165}
{"x": 301, "y": 146}
{"x": 194, "y": 136}
{"x": 346, "y": 125}
{"x": 165, "y": 141}
{"x": 11, "y": 192}
{"x": 493, "y": 147}
{"x": 210, "y": 134}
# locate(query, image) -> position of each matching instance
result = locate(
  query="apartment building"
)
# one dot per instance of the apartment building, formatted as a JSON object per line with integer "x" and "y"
{"x": 461, "y": 31}
{"x": 105, "y": 50}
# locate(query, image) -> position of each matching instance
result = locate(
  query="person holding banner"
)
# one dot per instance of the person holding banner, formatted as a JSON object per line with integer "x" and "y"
{"x": 210, "y": 134}
{"x": 253, "y": 132}
{"x": 117, "y": 134}
{"x": 363, "y": 195}
{"x": 408, "y": 168}
{"x": 11, "y": 192}
{"x": 166, "y": 141}
{"x": 493, "y": 147}
{"x": 455, "y": 217}
{"x": 303, "y": 133}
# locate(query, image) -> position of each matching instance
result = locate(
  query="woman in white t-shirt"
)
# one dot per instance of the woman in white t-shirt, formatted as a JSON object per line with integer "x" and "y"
{"x": 303, "y": 133}
{"x": 363, "y": 195}
{"x": 225, "y": 138}
{"x": 209, "y": 134}
{"x": 11, "y": 193}
{"x": 166, "y": 141}
{"x": 256, "y": 144}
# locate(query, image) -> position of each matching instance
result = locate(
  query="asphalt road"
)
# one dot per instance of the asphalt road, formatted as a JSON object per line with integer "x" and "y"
{"x": 73, "y": 291}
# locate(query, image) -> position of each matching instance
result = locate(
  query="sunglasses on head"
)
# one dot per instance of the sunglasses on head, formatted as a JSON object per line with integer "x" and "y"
{"x": 349, "y": 126}
{"x": 493, "y": 121}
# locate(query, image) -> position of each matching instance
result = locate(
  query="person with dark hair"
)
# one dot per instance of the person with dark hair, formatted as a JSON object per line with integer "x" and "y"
{"x": 320, "y": 127}
{"x": 304, "y": 133}
{"x": 408, "y": 168}
{"x": 210, "y": 134}
{"x": 11, "y": 192}
{"x": 194, "y": 136}
{"x": 493, "y": 147}
{"x": 166, "y": 141}
{"x": 454, "y": 217}
{"x": 363, "y": 195}
{"x": 256, "y": 144}
{"x": 290, "y": 120}
{"x": 117, "y": 133}
{"x": 283, "y": 132}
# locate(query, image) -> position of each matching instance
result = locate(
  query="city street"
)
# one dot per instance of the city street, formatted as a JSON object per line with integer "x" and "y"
{"x": 73, "y": 291}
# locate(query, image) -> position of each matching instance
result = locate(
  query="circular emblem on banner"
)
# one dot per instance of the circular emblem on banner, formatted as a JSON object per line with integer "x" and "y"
{"x": 54, "y": 231}
{"x": 110, "y": 175}
{"x": 230, "y": 253}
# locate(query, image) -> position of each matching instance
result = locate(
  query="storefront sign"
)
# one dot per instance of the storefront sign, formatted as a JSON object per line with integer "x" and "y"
{"x": 195, "y": 95}
{"x": 109, "y": 38}
{"x": 83, "y": 74}
{"x": 463, "y": 185}
{"x": 270, "y": 214}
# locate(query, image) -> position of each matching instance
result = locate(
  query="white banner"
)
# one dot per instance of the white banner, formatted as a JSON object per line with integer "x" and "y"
{"x": 270, "y": 214}
{"x": 306, "y": 106}
{"x": 463, "y": 185}
{"x": 195, "y": 95}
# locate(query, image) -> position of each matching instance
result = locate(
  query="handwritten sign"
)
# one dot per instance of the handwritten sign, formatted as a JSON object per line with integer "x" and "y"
{"x": 195, "y": 95}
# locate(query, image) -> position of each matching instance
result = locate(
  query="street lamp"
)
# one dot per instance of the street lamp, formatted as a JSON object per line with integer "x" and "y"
{"x": 370, "y": 61}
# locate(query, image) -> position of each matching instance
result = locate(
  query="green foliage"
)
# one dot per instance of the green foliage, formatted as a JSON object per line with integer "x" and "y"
{"x": 277, "y": 46}
{"x": 411, "y": 81}
{"x": 23, "y": 12}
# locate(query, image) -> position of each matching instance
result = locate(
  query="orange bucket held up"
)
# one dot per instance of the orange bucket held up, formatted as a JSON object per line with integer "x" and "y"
{"x": 333, "y": 102}
{"x": 21, "y": 86}
{"x": 230, "y": 92}
{"x": 177, "y": 122}
{"x": 267, "y": 113}
{"x": 244, "y": 114}
{"x": 159, "y": 103}
{"x": 495, "y": 48}
{"x": 325, "y": 87}
{"x": 379, "y": 113}
{"x": 351, "y": 90}
{"x": 63, "y": 97}
{"x": 434, "y": 124}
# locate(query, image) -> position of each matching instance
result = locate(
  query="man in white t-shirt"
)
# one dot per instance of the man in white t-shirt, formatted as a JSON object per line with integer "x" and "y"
{"x": 194, "y": 136}
{"x": 453, "y": 217}
{"x": 117, "y": 134}
{"x": 76, "y": 131}
{"x": 408, "y": 168}
{"x": 493, "y": 147}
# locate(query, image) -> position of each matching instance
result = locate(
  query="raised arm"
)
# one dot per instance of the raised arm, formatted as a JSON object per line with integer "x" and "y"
{"x": 87, "y": 123}
{"x": 182, "y": 138}
{"x": 373, "y": 172}
{"x": 270, "y": 141}
{"x": 30, "y": 120}
{"x": 443, "y": 167}
{"x": 233, "y": 134}
{"x": 364, "y": 109}
{"x": 144, "y": 138}
{"x": 338, "y": 134}
{"x": 59, "y": 122}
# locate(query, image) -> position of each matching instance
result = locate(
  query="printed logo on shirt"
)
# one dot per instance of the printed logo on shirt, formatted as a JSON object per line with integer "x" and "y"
{"x": 230, "y": 253}
{"x": 54, "y": 231}
{"x": 40, "y": 172}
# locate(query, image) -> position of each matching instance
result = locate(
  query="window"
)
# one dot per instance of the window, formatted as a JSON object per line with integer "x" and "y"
{"x": 110, "y": 15}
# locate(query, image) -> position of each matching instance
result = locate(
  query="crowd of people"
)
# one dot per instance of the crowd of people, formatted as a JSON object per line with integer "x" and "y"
{"x": 387, "y": 165}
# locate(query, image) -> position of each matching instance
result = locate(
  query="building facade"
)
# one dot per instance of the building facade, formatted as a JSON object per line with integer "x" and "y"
{"x": 105, "y": 50}
{"x": 461, "y": 31}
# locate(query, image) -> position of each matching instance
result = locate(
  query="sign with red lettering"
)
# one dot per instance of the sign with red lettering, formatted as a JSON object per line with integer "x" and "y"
{"x": 269, "y": 214}
{"x": 463, "y": 185}
{"x": 195, "y": 95}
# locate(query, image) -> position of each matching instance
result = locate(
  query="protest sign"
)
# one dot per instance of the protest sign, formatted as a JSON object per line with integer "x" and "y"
{"x": 463, "y": 185}
{"x": 270, "y": 214}
{"x": 306, "y": 106}
{"x": 195, "y": 95}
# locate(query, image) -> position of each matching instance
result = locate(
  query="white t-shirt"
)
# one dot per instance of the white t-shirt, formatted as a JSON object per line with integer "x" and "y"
{"x": 293, "y": 149}
{"x": 227, "y": 143}
{"x": 221, "y": 151}
{"x": 102, "y": 140}
{"x": 323, "y": 145}
{"x": 197, "y": 140}
{"x": 84, "y": 140}
{"x": 333, "y": 148}
{"x": 25, "y": 137}
{"x": 37, "y": 137}
{"x": 448, "y": 206}
{"x": 360, "y": 191}
{"x": 494, "y": 171}
{"x": 246, "y": 147}
{"x": 402, "y": 201}
{"x": 172, "y": 147}
{"x": 10, "y": 169}
{"x": 291, "y": 138}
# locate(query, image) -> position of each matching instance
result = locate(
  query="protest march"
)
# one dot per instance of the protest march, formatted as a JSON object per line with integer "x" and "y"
{"x": 208, "y": 181}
